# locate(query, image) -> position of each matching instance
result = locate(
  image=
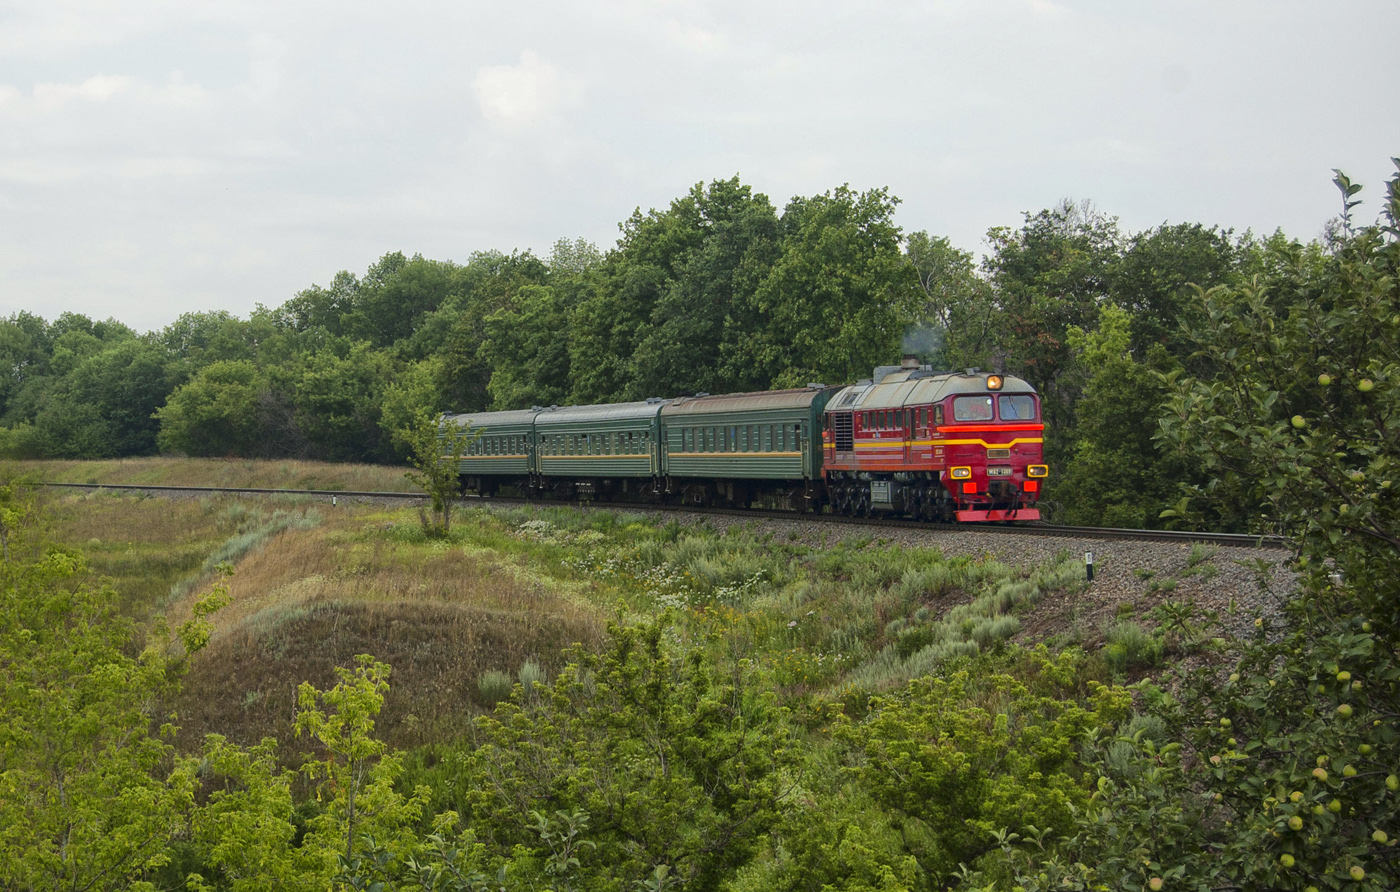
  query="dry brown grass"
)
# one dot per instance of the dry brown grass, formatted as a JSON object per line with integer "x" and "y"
{"x": 311, "y": 600}
{"x": 143, "y": 544}
{"x": 259, "y": 473}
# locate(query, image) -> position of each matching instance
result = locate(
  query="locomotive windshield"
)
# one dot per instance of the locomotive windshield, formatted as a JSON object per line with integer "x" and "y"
{"x": 1016, "y": 407}
{"x": 972, "y": 408}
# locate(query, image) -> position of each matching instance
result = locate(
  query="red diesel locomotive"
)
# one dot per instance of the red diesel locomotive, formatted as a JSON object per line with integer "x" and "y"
{"x": 935, "y": 445}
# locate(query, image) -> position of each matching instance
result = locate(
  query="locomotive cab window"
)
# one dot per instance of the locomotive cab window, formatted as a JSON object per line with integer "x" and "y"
{"x": 1016, "y": 407}
{"x": 972, "y": 408}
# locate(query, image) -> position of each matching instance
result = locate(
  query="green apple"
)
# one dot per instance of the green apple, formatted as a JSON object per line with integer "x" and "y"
{"x": 1365, "y": 385}
{"x": 1299, "y": 422}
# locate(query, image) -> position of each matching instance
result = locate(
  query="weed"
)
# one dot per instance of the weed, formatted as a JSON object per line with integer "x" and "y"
{"x": 1200, "y": 553}
{"x": 1130, "y": 646}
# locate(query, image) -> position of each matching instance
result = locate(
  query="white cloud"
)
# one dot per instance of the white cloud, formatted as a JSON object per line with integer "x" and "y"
{"x": 48, "y": 98}
{"x": 266, "y": 57}
{"x": 517, "y": 96}
{"x": 99, "y": 88}
{"x": 696, "y": 39}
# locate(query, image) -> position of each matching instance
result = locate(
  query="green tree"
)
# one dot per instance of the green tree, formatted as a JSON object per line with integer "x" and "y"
{"x": 956, "y": 319}
{"x": 217, "y": 412}
{"x": 436, "y": 447}
{"x": 1052, "y": 273}
{"x": 244, "y": 829}
{"x": 838, "y": 298}
{"x": 674, "y": 760}
{"x": 331, "y": 402}
{"x": 1114, "y": 475}
{"x": 704, "y": 306}
{"x": 963, "y": 772}
{"x": 356, "y": 769}
{"x": 1153, "y": 278}
{"x": 527, "y": 348}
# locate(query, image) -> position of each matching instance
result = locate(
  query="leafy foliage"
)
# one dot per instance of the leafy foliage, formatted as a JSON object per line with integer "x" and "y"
{"x": 674, "y": 762}
{"x": 89, "y": 797}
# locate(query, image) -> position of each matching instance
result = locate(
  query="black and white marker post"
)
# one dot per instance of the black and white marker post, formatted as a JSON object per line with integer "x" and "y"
{"x": 1089, "y": 565}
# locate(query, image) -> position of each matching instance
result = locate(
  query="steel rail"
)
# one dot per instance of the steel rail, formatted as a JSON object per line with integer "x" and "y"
{"x": 1257, "y": 540}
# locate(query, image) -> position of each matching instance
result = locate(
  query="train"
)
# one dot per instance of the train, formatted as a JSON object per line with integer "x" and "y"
{"x": 949, "y": 446}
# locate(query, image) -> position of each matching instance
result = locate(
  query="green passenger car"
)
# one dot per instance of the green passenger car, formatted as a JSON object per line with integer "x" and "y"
{"x": 504, "y": 451}
{"x": 602, "y": 450}
{"x": 746, "y": 448}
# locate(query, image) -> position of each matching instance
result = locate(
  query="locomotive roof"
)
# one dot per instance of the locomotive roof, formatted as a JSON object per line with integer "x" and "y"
{"x": 797, "y": 398}
{"x": 913, "y": 387}
{"x": 609, "y": 412}
{"x": 485, "y": 420}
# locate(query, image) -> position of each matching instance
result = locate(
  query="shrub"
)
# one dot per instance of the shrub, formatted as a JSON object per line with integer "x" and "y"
{"x": 494, "y": 686}
{"x": 530, "y": 674}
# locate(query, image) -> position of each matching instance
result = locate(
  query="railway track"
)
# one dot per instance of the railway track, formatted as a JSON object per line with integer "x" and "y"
{"x": 1034, "y": 529}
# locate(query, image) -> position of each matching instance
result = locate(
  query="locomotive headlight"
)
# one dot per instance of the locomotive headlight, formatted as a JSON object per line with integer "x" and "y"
{"x": 960, "y": 473}
{"x": 1037, "y": 470}
{"x": 994, "y": 382}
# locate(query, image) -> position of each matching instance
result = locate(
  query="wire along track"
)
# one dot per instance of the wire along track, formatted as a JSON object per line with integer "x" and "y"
{"x": 1029, "y": 529}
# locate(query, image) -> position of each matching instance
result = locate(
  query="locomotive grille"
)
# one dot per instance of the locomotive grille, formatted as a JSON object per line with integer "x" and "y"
{"x": 998, "y": 453}
{"x": 843, "y": 431}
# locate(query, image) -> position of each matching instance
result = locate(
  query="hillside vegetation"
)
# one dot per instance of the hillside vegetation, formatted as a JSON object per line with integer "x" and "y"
{"x": 584, "y": 700}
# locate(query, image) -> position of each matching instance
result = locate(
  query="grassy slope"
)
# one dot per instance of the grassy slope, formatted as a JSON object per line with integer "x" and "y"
{"x": 316, "y": 585}
{"x": 263, "y": 474}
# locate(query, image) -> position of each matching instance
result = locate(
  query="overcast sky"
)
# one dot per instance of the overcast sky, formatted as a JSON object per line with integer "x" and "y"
{"x": 164, "y": 156}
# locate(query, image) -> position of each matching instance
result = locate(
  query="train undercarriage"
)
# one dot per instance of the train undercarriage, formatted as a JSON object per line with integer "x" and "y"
{"x": 921, "y": 496}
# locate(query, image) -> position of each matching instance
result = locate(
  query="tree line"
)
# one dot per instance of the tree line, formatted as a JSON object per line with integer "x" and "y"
{"x": 719, "y": 292}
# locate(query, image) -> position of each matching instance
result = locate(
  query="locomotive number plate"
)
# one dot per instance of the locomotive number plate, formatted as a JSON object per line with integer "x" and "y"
{"x": 998, "y": 472}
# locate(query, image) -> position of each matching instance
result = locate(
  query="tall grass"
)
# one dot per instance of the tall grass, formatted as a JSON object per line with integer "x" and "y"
{"x": 254, "y": 529}
{"x": 234, "y": 472}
